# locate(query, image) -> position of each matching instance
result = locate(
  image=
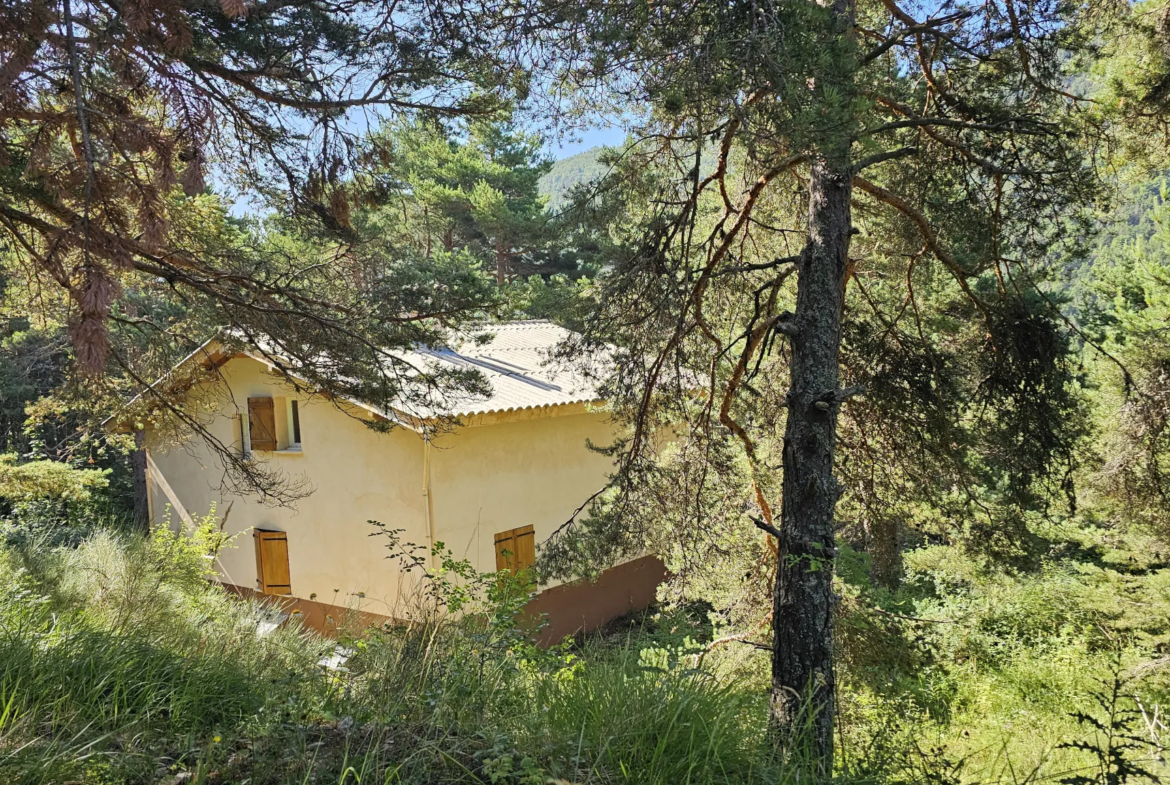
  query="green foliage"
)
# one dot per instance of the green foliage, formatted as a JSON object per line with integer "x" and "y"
{"x": 557, "y": 298}
{"x": 120, "y": 663}
{"x": 994, "y": 667}
{"x": 1126, "y": 297}
{"x": 46, "y": 420}
{"x": 37, "y": 497}
{"x": 47, "y": 480}
{"x": 1116, "y": 743}
{"x": 567, "y": 174}
{"x": 1131, "y": 81}
{"x": 469, "y": 187}
{"x": 32, "y": 364}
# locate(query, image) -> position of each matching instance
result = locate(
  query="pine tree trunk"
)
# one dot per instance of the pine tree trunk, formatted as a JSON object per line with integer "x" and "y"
{"x": 802, "y": 660}
{"x": 885, "y": 551}
{"x": 501, "y": 262}
{"x": 138, "y": 463}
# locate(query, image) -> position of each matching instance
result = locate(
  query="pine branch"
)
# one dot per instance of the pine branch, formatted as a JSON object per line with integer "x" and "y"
{"x": 924, "y": 228}
{"x": 877, "y": 158}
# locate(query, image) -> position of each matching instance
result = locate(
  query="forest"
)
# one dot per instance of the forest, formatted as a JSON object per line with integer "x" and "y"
{"x": 876, "y": 291}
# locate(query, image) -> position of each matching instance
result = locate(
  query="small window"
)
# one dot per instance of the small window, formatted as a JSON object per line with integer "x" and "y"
{"x": 272, "y": 573}
{"x": 516, "y": 549}
{"x": 262, "y": 424}
{"x": 287, "y": 425}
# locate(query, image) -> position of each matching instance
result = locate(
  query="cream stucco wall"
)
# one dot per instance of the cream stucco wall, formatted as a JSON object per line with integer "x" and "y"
{"x": 492, "y": 478}
{"x": 498, "y": 473}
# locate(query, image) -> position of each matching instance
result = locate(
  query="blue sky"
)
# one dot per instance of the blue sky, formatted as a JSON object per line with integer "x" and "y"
{"x": 585, "y": 139}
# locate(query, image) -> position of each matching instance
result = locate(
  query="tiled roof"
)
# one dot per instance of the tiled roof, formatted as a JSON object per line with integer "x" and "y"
{"x": 517, "y": 364}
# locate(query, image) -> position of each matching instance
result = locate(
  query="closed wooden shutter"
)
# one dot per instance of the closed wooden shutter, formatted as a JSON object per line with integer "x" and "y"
{"x": 262, "y": 424}
{"x": 516, "y": 549}
{"x": 272, "y": 574}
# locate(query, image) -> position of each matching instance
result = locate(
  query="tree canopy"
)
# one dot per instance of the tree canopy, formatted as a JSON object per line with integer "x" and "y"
{"x": 825, "y": 199}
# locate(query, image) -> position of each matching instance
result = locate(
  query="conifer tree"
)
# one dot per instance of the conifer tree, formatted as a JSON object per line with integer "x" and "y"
{"x": 953, "y": 121}
{"x": 1125, "y": 304}
{"x": 114, "y": 117}
{"x": 117, "y": 117}
{"x": 473, "y": 187}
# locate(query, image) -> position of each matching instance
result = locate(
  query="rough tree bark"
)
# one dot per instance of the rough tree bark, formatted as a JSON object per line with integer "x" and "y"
{"x": 803, "y": 683}
{"x": 802, "y": 660}
{"x": 885, "y": 551}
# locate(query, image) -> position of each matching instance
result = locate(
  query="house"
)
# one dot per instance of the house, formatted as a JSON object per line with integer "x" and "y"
{"x": 491, "y": 490}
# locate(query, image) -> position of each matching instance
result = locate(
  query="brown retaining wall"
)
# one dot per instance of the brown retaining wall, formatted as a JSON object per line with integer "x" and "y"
{"x": 585, "y": 606}
{"x": 319, "y": 616}
{"x": 570, "y": 608}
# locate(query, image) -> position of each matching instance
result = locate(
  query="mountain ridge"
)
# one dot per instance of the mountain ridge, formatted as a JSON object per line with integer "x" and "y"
{"x": 568, "y": 173}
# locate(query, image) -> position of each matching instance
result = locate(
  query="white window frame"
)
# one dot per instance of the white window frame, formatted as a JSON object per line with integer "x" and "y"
{"x": 290, "y": 428}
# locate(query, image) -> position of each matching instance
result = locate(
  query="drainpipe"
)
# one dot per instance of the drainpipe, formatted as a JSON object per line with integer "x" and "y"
{"x": 426, "y": 490}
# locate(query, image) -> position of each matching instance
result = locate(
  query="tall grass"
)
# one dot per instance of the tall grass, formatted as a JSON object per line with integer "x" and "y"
{"x": 593, "y": 716}
{"x": 117, "y": 654}
{"x": 120, "y": 663}
{"x": 674, "y": 726}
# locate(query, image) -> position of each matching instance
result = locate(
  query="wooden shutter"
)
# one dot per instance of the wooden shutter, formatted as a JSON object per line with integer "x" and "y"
{"x": 516, "y": 549}
{"x": 262, "y": 424}
{"x": 505, "y": 546}
{"x": 272, "y": 575}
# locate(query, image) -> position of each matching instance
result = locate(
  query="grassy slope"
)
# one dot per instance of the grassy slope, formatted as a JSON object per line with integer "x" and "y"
{"x": 118, "y": 663}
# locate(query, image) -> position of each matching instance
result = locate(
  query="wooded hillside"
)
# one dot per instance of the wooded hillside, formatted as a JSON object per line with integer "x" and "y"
{"x": 877, "y": 294}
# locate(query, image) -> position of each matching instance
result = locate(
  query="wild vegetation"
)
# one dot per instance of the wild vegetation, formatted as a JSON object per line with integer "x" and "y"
{"x": 121, "y": 663}
{"x": 893, "y": 279}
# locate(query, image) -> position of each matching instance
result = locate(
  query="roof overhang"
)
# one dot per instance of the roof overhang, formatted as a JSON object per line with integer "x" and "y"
{"x": 215, "y": 352}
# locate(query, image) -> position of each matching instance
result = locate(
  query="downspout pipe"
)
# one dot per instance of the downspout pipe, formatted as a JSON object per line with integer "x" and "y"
{"x": 428, "y": 512}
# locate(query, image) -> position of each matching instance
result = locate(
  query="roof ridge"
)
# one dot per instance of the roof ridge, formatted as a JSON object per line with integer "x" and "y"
{"x": 517, "y": 323}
